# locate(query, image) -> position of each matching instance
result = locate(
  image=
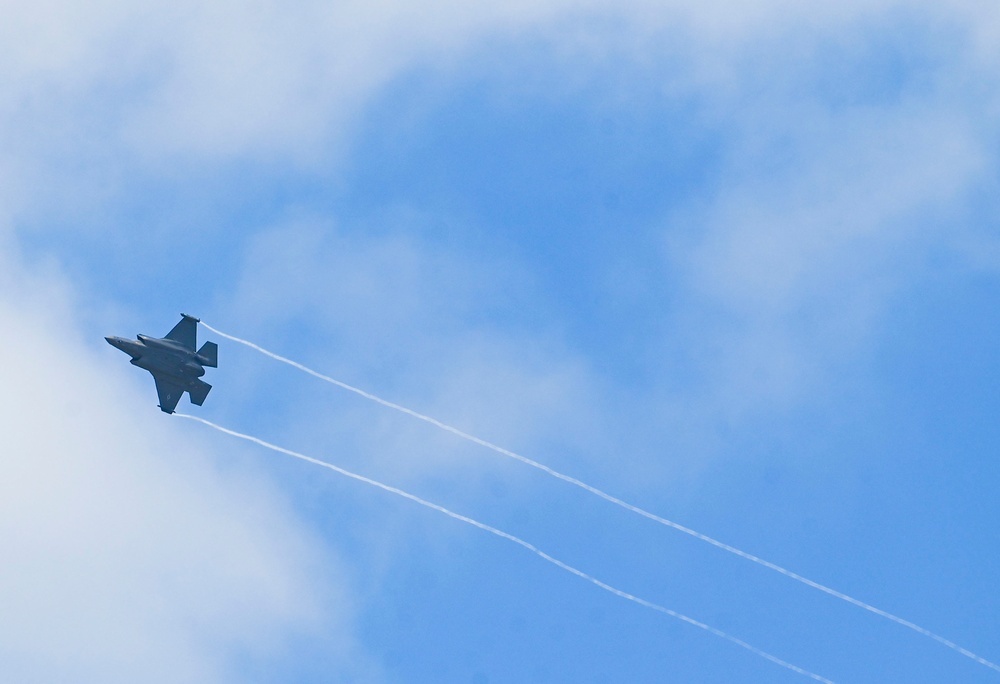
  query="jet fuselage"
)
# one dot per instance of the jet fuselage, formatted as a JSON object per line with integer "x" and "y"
{"x": 158, "y": 355}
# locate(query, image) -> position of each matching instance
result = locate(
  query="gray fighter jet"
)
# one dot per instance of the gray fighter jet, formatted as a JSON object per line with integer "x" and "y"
{"x": 173, "y": 362}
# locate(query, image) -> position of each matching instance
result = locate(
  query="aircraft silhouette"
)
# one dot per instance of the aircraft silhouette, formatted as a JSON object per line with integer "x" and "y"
{"x": 173, "y": 362}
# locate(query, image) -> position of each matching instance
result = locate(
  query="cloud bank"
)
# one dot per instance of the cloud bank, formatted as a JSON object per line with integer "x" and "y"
{"x": 128, "y": 553}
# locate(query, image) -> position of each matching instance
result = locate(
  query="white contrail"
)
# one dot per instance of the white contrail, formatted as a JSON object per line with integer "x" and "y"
{"x": 618, "y": 502}
{"x": 520, "y": 542}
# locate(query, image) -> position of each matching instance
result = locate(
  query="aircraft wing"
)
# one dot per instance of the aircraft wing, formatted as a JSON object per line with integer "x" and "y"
{"x": 168, "y": 392}
{"x": 185, "y": 332}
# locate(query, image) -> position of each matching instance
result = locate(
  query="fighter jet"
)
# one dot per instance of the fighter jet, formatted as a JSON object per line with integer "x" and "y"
{"x": 173, "y": 362}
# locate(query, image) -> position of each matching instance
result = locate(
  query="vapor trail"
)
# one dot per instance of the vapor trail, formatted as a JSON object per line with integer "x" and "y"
{"x": 520, "y": 542}
{"x": 618, "y": 502}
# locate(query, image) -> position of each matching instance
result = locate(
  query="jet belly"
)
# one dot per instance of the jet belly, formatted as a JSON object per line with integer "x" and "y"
{"x": 174, "y": 375}
{"x": 178, "y": 369}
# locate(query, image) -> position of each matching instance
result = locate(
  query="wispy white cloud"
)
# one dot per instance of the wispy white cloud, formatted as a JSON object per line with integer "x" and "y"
{"x": 390, "y": 310}
{"x": 796, "y": 265}
{"x": 213, "y": 80}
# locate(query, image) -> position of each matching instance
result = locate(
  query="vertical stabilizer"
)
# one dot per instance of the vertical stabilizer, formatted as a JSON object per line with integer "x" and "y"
{"x": 209, "y": 352}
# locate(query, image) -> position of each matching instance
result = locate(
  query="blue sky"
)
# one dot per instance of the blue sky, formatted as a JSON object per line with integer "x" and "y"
{"x": 735, "y": 263}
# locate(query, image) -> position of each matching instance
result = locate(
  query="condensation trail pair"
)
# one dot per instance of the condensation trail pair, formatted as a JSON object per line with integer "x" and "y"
{"x": 520, "y": 542}
{"x": 619, "y": 502}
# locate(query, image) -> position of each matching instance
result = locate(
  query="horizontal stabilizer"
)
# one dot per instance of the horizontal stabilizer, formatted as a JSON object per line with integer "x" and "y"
{"x": 198, "y": 392}
{"x": 210, "y": 353}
